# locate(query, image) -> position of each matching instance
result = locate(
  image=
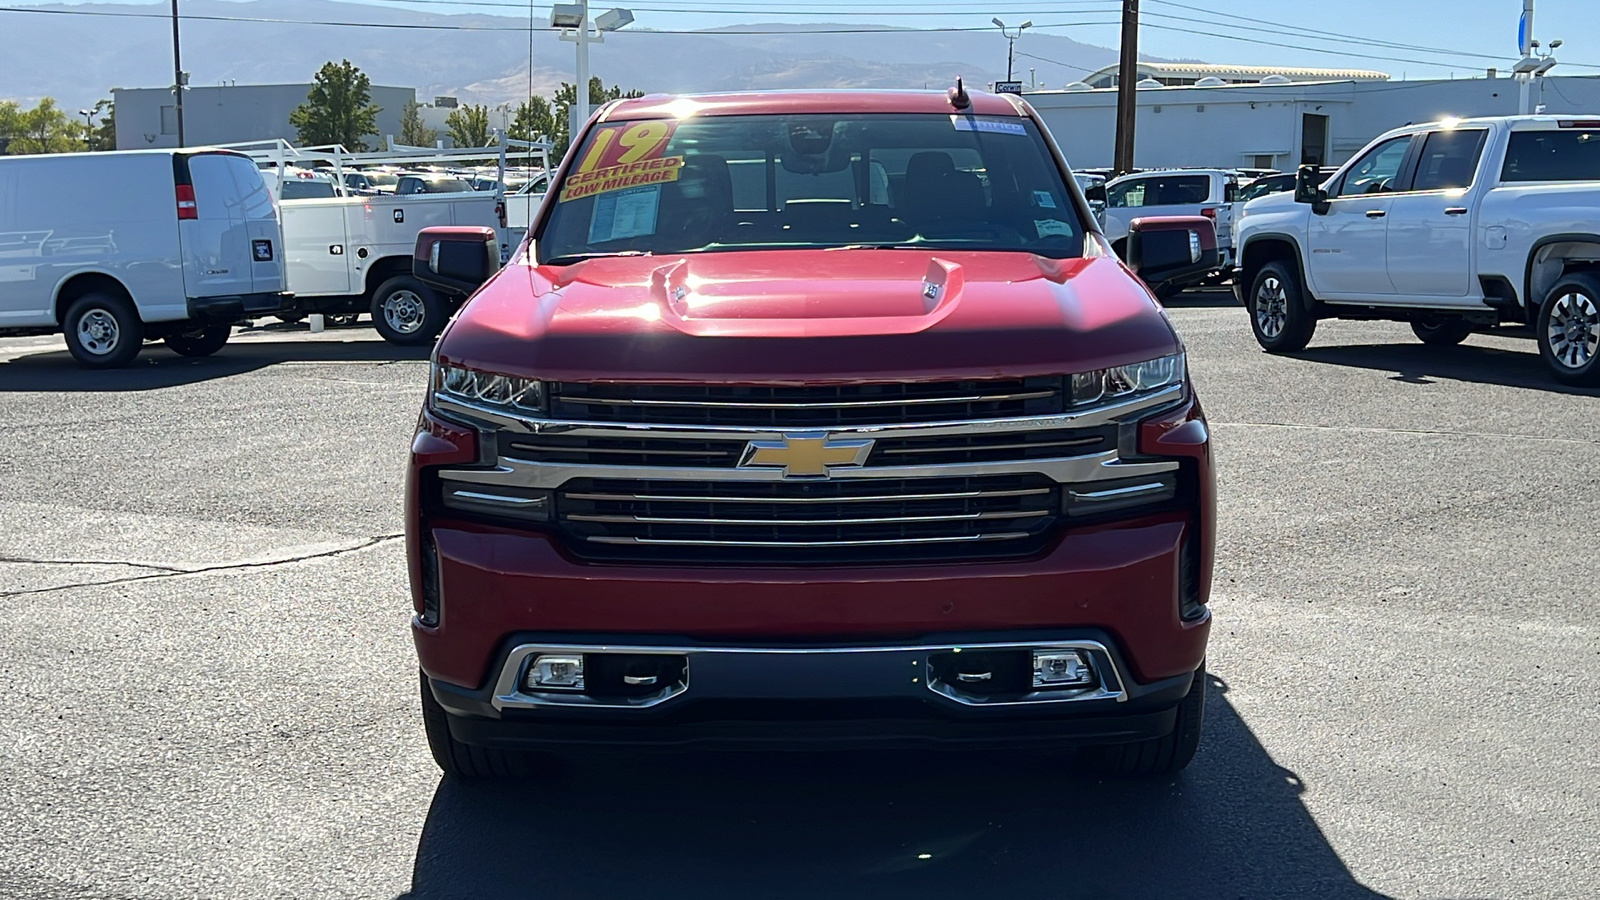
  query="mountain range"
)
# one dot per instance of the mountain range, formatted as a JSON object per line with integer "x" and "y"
{"x": 78, "y": 58}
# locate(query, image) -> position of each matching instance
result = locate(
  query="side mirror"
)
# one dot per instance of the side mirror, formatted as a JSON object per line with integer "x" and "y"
{"x": 1308, "y": 185}
{"x": 1169, "y": 253}
{"x": 1095, "y": 192}
{"x": 456, "y": 259}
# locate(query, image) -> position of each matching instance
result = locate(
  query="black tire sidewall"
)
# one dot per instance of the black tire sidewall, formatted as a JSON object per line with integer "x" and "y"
{"x": 1587, "y": 375}
{"x": 1441, "y": 334}
{"x": 1298, "y": 322}
{"x": 130, "y": 330}
{"x": 434, "y": 316}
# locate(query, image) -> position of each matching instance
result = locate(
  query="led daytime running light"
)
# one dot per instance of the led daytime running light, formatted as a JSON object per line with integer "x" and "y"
{"x": 1122, "y": 382}
{"x": 509, "y": 392}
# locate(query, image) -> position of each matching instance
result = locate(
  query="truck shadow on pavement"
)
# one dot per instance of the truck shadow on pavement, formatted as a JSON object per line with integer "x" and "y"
{"x": 1420, "y": 364}
{"x": 55, "y": 371}
{"x": 885, "y": 825}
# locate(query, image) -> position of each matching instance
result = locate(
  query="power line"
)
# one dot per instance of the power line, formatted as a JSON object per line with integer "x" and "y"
{"x": 1310, "y": 32}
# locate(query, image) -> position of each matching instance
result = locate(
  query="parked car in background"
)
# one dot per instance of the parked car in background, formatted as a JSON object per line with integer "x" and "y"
{"x": 1173, "y": 192}
{"x": 1452, "y": 226}
{"x": 302, "y": 184}
{"x": 414, "y": 183}
{"x": 524, "y": 204}
{"x": 115, "y": 249}
{"x": 370, "y": 184}
{"x": 1275, "y": 183}
{"x": 351, "y": 255}
{"x": 801, "y": 458}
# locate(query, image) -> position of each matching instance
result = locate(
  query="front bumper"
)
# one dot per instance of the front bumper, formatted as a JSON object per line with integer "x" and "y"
{"x": 822, "y": 697}
{"x": 235, "y": 307}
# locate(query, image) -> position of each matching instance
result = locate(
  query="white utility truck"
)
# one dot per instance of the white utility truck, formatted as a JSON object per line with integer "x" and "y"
{"x": 1455, "y": 226}
{"x": 115, "y": 249}
{"x": 351, "y": 255}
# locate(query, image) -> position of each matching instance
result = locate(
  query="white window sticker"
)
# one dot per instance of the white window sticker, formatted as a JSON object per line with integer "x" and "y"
{"x": 624, "y": 214}
{"x": 990, "y": 126}
{"x": 1048, "y": 227}
{"x": 1043, "y": 200}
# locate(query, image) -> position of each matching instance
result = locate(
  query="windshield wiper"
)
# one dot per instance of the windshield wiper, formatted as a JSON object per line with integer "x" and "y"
{"x": 571, "y": 258}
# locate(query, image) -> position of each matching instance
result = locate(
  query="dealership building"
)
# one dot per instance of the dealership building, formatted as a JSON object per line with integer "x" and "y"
{"x": 1280, "y": 119}
{"x": 231, "y": 114}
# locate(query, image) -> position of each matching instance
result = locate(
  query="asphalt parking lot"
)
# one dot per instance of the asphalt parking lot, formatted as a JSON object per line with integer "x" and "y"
{"x": 210, "y": 688}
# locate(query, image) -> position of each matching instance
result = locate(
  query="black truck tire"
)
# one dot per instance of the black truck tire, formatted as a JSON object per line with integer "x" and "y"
{"x": 1278, "y": 314}
{"x": 103, "y": 331}
{"x": 465, "y": 760}
{"x": 1569, "y": 330}
{"x": 407, "y": 312}
{"x": 202, "y": 340}
{"x": 1166, "y": 755}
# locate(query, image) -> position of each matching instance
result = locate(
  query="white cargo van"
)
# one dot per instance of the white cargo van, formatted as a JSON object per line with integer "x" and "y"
{"x": 114, "y": 249}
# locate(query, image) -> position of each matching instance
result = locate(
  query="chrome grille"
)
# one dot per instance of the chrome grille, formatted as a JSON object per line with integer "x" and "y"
{"x": 776, "y": 406}
{"x": 645, "y": 450}
{"x": 868, "y": 519}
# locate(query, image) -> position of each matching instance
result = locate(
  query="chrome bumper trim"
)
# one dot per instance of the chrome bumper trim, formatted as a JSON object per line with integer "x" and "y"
{"x": 510, "y": 694}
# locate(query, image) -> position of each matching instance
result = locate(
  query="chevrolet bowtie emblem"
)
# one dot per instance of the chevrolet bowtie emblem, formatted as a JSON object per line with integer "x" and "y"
{"x": 806, "y": 455}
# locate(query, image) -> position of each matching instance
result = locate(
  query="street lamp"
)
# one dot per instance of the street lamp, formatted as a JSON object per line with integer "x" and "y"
{"x": 88, "y": 128}
{"x": 573, "y": 20}
{"x": 1011, "y": 35}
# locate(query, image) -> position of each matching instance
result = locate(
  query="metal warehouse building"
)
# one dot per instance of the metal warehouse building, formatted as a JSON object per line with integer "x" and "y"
{"x": 229, "y": 114}
{"x": 1281, "y": 125}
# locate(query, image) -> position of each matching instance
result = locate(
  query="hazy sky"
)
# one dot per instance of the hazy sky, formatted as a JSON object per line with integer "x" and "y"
{"x": 1402, "y": 37}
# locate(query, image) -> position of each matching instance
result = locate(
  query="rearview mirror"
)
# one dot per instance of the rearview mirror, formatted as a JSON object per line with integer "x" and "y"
{"x": 456, "y": 259}
{"x": 1308, "y": 185}
{"x": 1169, "y": 253}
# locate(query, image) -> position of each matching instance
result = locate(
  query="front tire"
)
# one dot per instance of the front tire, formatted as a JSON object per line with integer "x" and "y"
{"x": 464, "y": 760}
{"x": 1569, "y": 330}
{"x": 198, "y": 342}
{"x": 1278, "y": 313}
{"x": 1441, "y": 332}
{"x": 1166, "y": 755}
{"x": 102, "y": 331}
{"x": 407, "y": 312}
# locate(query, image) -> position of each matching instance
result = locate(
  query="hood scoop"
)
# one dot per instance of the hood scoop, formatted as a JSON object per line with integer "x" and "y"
{"x": 795, "y": 305}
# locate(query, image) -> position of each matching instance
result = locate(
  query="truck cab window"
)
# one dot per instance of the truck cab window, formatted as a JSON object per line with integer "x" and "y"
{"x": 1449, "y": 159}
{"x": 1375, "y": 173}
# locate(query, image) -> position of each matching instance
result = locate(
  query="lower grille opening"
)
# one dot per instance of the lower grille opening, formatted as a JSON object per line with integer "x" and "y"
{"x": 866, "y": 520}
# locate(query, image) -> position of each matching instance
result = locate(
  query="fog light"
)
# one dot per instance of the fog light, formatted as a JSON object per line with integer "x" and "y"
{"x": 556, "y": 673}
{"x": 1061, "y": 668}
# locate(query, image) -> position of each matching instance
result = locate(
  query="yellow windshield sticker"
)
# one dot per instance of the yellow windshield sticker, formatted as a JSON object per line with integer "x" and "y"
{"x": 615, "y": 178}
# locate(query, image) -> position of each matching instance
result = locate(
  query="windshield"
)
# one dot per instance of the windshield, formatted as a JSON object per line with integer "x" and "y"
{"x": 1272, "y": 184}
{"x": 295, "y": 189}
{"x": 812, "y": 181}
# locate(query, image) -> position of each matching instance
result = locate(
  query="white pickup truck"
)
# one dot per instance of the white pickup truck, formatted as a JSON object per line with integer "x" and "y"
{"x": 349, "y": 255}
{"x": 1452, "y": 226}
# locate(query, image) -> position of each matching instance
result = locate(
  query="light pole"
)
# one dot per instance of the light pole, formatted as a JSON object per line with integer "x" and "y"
{"x": 88, "y": 128}
{"x": 178, "y": 79}
{"x": 1011, "y": 35}
{"x": 573, "y": 20}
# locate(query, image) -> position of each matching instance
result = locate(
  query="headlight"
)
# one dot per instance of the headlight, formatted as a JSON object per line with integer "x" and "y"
{"x": 511, "y": 393}
{"x": 1123, "y": 382}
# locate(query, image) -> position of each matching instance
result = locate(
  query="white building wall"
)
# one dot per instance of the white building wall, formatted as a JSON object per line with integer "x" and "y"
{"x": 231, "y": 114}
{"x": 1231, "y": 126}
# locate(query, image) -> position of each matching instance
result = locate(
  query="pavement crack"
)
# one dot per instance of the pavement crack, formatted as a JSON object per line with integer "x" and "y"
{"x": 205, "y": 570}
{"x": 91, "y": 562}
{"x": 1367, "y": 429}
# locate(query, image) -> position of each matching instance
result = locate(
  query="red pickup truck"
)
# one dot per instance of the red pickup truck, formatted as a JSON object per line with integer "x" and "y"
{"x": 812, "y": 419}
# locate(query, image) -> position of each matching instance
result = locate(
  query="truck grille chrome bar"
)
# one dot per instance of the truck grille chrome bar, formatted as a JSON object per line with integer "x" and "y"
{"x": 872, "y": 543}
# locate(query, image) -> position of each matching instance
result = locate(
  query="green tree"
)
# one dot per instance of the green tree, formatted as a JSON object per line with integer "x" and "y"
{"x": 103, "y": 136}
{"x": 412, "y": 132}
{"x": 10, "y": 123}
{"x": 339, "y": 108}
{"x": 533, "y": 121}
{"x": 567, "y": 96}
{"x": 43, "y": 129}
{"x": 469, "y": 126}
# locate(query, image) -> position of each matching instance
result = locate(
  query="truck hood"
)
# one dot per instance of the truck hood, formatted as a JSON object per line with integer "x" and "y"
{"x": 863, "y": 315}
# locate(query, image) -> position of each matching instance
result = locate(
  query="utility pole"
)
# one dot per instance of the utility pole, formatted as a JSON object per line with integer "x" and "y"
{"x": 1525, "y": 36}
{"x": 1127, "y": 80}
{"x": 177, "y": 74}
